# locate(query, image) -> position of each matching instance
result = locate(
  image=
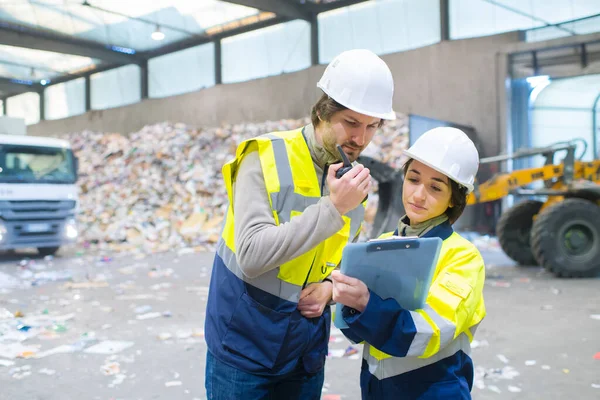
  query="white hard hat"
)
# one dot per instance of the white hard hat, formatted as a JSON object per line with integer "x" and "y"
{"x": 448, "y": 151}
{"x": 361, "y": 81}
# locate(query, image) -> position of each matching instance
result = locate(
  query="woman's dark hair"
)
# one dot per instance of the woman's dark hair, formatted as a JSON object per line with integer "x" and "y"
{"x": 325, "y": 108}
{"x": 458, "y": 196}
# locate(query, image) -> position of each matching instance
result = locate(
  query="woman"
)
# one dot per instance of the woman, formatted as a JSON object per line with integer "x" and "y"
{"x": 424, "y": 354}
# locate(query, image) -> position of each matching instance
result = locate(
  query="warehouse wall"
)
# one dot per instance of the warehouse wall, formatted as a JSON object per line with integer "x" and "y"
{"x": 456, "y": 81}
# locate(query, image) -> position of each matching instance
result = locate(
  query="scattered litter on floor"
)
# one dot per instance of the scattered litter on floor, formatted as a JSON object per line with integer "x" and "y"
{"x": 490, "y": 377}
{"x": 109, "y": 347}
{"x": 475, "y": 344}
{"x": 502, "y": 358}
{"x": 502, "y": 284}
{"x": 494, "y": 388}
{"x": 47, "y": 371}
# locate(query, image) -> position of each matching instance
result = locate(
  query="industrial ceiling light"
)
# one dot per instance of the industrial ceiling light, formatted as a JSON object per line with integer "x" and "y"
{"x": 157, "y": 34}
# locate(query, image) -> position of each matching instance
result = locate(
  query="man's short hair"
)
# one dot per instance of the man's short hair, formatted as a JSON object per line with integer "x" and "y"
{"x": 325, "y": 108}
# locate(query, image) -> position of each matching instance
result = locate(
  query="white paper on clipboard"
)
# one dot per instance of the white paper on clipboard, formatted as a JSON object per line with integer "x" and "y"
{"x": 401, "y": 268}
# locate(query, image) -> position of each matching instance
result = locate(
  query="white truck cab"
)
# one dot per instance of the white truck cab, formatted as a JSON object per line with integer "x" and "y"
{"x": 38, "y": 193}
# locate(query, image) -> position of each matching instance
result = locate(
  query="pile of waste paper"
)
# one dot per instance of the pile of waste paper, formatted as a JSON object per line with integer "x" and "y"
{"x": 161, "y": 188}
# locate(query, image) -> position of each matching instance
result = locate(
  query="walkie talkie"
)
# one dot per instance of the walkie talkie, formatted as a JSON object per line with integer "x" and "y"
{"x": 347, "y": 165}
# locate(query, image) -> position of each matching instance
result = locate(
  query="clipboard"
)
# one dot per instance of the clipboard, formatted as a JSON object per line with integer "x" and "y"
{"x": 401, "y": 268}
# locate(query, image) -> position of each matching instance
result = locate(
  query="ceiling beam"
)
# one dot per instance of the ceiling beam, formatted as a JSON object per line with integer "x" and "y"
{"x": 199, "y": 40}
{"x": 8, "y": 85}
{"x": 75, "y": 75}
{"x": 284, "y": 8}
{"x": 334, "y": 5}
{"x": 39, "y": 39}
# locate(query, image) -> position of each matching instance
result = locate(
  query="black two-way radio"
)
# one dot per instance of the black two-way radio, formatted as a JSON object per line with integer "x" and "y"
{"x": 347, "y": 165}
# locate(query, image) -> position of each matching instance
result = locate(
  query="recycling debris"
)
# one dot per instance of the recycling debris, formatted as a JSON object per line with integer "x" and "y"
{"x": 350, "y": 352}
{"x": 490, "y": 378}
{"x": 475, "y": 344}
{"x": 502, "y": 358}
{"x": 109, "y": 347}
{"x": 161, "y": 188}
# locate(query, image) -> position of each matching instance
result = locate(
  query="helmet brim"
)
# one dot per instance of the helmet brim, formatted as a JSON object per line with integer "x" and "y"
{"x": 389, "y": 116}
{"x": 469, "y": 186}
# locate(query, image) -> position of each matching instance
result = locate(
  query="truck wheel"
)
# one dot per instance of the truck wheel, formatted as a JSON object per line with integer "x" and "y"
{"x": 47, "y": 251}
{"x": 565, "y": 238}
{"x": 514, "y": 231}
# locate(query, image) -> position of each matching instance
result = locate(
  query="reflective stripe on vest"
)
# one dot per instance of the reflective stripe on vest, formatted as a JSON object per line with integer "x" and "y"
{"x": 390, "y": 367}
{"x": 292, "y": 186}
{"x": 269, "y": 282}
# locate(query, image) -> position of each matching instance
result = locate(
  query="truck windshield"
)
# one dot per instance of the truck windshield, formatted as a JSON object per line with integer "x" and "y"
{"x": 36, "y": 164}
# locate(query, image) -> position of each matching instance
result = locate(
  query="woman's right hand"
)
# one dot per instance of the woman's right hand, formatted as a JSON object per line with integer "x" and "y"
{"x": 349, "y": 291}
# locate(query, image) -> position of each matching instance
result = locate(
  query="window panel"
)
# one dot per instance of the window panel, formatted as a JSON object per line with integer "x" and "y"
{"x": 266, "y": 52}
{"x": 181, "y": 72}
{"x": 65, "y": 99}
{"x": 382, "y": 26}
{"x": 117, "y": 87}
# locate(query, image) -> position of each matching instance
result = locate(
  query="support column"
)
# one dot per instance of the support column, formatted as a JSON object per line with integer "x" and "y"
{"x": 445, "y": 20}
{"x": 88, "y": 93}
{"x": 314, "y": 40}
{"x": 144, "y": 77}
{"x": 218, "y": 63}
{"x": 42, "y": 104}
{"x": 595, "y": 128}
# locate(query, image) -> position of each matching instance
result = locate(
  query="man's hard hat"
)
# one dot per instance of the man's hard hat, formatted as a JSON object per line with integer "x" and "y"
{"x": 450, "y": 152}
{"x": 361, "y": 81}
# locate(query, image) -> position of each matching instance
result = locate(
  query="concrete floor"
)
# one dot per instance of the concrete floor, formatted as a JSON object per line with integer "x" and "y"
{"x": 532, "y": 317}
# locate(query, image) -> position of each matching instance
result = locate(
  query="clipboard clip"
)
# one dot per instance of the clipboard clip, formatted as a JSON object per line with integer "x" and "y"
{"x": 385, "y": 245}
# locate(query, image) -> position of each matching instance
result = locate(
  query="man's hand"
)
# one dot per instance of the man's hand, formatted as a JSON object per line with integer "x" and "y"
{"x": 349, "y": 291}
{"x": 350, "y": 190}
{"x": 314, "y": 298}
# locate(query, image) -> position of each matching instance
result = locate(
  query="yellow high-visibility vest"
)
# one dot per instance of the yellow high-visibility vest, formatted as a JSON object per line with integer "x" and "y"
{"x": 292, "y": 185}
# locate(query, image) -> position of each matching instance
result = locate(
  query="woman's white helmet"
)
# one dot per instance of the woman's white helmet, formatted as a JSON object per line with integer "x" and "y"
{"x": 361, "y": 81}
{"x": 450, "y": 152}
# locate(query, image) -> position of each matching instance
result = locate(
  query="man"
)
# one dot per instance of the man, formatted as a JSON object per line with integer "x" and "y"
{"x": 289, "y": 218}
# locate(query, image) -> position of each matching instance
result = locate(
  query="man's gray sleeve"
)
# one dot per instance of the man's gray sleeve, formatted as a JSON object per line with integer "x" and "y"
{"x": 261, "y": 245}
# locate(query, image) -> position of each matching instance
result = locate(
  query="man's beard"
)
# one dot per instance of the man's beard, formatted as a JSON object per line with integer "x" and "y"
{"x": 329, "y": 144}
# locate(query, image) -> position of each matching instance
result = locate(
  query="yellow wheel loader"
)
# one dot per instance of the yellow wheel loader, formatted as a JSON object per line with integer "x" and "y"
{"x": 561, "y": 232}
